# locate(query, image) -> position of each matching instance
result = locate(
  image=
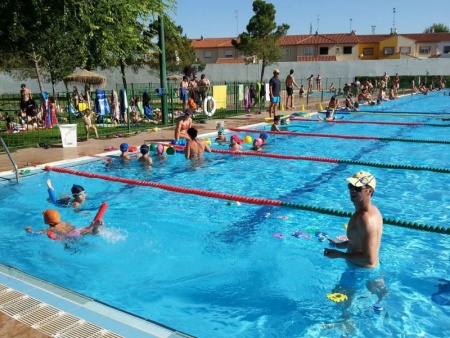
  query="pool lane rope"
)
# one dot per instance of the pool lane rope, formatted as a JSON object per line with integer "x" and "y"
{"x": 374, "y": 122}
{"x": 244, "y": 199}
{"x": 348, "y": 137}
{"x": 319, "y": 159}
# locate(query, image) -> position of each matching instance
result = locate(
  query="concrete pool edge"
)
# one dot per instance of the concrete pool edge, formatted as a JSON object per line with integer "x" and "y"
{"x": 85, "y": 309}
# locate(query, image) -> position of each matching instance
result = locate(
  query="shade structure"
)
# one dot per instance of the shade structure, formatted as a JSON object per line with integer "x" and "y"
{"x": 86, "y": 77}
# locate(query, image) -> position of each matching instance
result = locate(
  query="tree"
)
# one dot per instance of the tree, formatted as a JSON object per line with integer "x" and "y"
{"x": 261, "y": 38}
{"x": 35, "y": 40}
{"x": 53, "y": 37}
{"x": 437, "y": 28}
{"x": 180, "y": 54}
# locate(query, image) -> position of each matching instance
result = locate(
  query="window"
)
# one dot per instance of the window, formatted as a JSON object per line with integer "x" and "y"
{"x": 367, "y": 51}
{"x": 228, "y": 53}
{"x": 323, "y": 51}
{"x": 388, "y": 50}
{"x": 424, "y": 50}
{"x": 348, "y": 49}
{"x": 405, "y": 50}
{"x": 287, "y": 51}
{"x": 207, "y": 54}
{"x": 308, "y": 51}
{"x": 446, "y": 49}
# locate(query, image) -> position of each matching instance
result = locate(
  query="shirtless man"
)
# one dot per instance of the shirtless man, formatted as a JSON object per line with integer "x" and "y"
{"x": 184, "y": 94}
{"x": 386, "y": 78}
{"x": 25, "y": 96}
{"x": 203, "y": 87}
{"x": 310, "y": 83}
{"x": 63, "y": 230}
{"x": 195, "y": 148}
{"x": 183, "y": 124}
{"x": 319, "y": 83}
{"x": 364, "y": 96}
{"x": 290, "y": 83}
{"x": 365, "y": 227}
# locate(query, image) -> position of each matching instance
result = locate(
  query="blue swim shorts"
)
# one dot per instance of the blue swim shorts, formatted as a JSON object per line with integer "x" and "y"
{"x": 275, "y": 99}
{"x": 355, "y": 277}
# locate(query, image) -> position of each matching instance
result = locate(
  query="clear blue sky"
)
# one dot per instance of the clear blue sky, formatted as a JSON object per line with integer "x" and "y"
{"x": 227, "y": 18}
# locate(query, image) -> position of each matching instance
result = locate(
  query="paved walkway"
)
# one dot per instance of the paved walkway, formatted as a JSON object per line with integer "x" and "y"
{"x": 36, "y": 156}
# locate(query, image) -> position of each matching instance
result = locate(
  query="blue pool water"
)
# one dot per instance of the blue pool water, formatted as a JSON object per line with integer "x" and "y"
{"x": 214, "y": 269}
{"x": 416, "y": 104}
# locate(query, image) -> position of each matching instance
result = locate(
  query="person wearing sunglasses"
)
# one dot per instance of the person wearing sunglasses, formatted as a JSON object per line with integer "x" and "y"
{"x": 365, "y": 227}
{"x": 364, "y": 233}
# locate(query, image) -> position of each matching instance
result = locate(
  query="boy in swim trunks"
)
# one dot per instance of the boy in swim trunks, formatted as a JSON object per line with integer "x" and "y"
{"x": 276, "y": 123}
{"x": 63, "y": 230}
{"x": 124, "y": 152}
{"x": 78, "y": 194}
{"x": 145, "y": 149}
{"x": 221, "y": 138}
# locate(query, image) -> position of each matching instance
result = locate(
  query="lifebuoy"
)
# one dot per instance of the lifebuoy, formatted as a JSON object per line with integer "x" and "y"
{"x": 205, "y": 106}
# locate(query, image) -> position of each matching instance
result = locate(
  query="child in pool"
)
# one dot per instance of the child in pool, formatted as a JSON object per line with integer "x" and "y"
{"x": 235, "y": 143}
{"x": 276, "y": 123}
{"x": 63, "y": 230}
{"x": 221, "y": 138}
{"x": 257, "y": 143}
{"x": 78, "y": 194}
{"x": 145, "y": 149}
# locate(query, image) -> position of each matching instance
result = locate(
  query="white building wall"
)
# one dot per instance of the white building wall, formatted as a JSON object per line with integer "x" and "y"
{"x": 338, "y": 72}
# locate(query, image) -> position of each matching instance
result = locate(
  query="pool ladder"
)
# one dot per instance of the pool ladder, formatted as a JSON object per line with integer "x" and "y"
{"x": 16, "y": 169}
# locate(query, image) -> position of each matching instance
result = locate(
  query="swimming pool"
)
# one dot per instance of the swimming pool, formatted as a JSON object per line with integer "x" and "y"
{"x": 209, "y": 267}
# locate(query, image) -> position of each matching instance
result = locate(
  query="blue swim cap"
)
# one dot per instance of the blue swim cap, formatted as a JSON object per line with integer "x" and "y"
{"x": 124, "y": 147}
{"x": 264, "y": 135}
{"x": 145, "y": 149}
{"x": 76, "y": 189}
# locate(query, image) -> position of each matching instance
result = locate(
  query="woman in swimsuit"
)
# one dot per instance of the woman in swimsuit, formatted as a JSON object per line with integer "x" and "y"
{"x": 183, "y": 124}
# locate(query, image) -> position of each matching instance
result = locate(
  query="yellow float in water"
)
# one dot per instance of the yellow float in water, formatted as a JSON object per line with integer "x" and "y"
{"x": 337, "y": 297}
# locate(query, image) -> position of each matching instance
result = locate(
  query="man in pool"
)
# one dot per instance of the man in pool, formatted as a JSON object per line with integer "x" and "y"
{"x": 364, "y": 233}
{"x": 63, "y": 230}
{"x": 195, "y": 148}
{"x": 365, "y": 226}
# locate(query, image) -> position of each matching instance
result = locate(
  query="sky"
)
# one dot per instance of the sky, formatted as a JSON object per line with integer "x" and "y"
{"x": 228, "y": 18}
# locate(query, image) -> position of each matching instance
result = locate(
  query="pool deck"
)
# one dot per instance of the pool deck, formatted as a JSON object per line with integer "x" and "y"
{"x": 34, "y": 157}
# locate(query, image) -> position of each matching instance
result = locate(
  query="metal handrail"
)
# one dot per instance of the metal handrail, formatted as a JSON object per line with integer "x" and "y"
{"x": 16, "y": 169}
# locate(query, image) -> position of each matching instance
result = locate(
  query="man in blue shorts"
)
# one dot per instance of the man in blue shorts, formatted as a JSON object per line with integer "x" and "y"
{"x": 274, "y": 91}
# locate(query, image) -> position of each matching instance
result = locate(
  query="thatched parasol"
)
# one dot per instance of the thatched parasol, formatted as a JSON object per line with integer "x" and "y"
{"x": 88, "y": 78}
{"x": 174, "y": 78}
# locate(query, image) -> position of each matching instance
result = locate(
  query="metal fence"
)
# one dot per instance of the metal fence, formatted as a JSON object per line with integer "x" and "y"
{"x": 18, "y": 133}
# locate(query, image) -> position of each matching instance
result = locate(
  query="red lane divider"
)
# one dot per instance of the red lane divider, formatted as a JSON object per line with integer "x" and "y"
{"x": 272, "y": 155}
{"x": 251, "y": 200}
{"x": 284, "y": 157}
{"x": 308, "y": 134}
{"x": 361, "y": 122}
